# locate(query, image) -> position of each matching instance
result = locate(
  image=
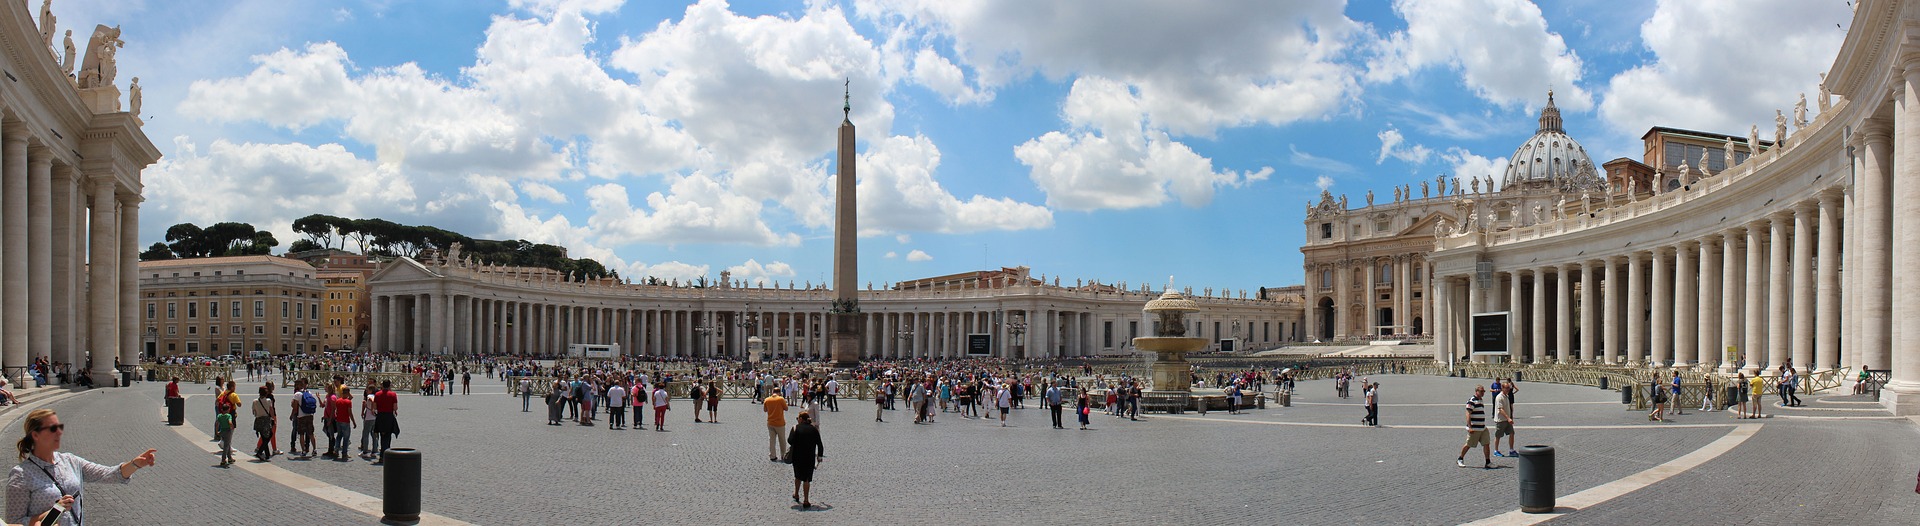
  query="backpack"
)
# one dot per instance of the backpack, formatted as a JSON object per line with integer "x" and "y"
{"x": 307, "y": 403}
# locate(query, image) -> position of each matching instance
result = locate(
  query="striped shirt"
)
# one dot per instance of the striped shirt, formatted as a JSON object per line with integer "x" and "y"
{"x": 1476, "y": 415}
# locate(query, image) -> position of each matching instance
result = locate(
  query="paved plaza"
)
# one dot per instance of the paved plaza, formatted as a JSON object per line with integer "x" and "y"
{"x": 486, "y": 462}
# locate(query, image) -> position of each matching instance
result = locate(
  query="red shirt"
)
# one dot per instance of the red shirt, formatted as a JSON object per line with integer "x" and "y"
{"x": 386, "y": 402}
{"x": 173, "y": 389}
{"x": 343, "y": 409}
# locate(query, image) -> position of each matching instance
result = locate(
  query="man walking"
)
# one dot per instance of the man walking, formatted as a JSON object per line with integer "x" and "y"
{"x": 526, "y": 394}
{"x": 1052, "y": 399}
{"x": 776, "y": 408}
{"x": 616, "y": 407}
{"x": 1476, "y": 430}
{"x": 386, "y": 418}
{"x": 833, "y": 395}
{"x": 1373, "y": 404}
{"x": 304, "y": 406}
{"x": 1503, "y": 420}
{"x": 1004, "y": 399}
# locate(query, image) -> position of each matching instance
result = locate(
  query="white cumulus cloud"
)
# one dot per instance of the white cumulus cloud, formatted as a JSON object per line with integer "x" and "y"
{"x": 1394, "y": 145}
{"x": 918, "y": 256}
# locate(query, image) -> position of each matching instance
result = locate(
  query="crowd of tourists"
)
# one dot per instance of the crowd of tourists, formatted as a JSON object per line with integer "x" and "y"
{"x": 333, "y": 405}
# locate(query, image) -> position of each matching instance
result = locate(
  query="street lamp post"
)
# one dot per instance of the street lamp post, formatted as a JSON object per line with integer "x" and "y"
{"x": 1018, "y": 328}
{"x": 704, "y": 331}
{"x": 906, "y": 337}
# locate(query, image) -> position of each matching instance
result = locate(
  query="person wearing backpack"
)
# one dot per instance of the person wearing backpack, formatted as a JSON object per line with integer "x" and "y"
{"x": 304, "y": 406}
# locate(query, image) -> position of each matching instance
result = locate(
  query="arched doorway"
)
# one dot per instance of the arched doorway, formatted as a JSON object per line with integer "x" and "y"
{"x": 1418, "y": 328}
{"x": 1325, "y": 330}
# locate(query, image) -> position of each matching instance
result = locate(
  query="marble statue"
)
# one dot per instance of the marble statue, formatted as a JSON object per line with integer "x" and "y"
{"x": 99, "y": 67}
{"x": 1456, "y": 186}
{"x": 1800, "y": 112}
{"x": 1729, "y": 155}
{"x": 47, "y": 24}
{"x": 1396, "y": 194}
{"x": 1753, "y": 141}
{"x": 133, "y": 103}
{"x": 1440, "y": 229}
{"x": 1369, "y": 198}
{"x": 1476, "y": 185}
{"x": 1539, "y": 214}
{"x": 1343, "y": 201}
{"x": 1779, "y": 128}
{"x": 1826, "y": 94}
{"x": 1438, "y": 180}
{"x": 453, "y": 251}
{"x": 1424, "y": 191}
{"x": 66, "y": 61}
{"x": 1703, "y": 162}
{"x": 1472, "y": 219}
{"x": 1561, "y": 206}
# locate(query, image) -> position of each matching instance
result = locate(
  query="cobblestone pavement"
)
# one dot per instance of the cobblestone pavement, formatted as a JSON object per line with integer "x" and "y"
{"x": 488, "y": 463}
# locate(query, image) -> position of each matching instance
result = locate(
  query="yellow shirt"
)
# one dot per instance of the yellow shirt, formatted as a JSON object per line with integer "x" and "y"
{"x": 776, "y": 407}
{"x": 1757, "y": 385}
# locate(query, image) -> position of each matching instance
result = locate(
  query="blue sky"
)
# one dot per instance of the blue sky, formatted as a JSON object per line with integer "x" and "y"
{"x": 1111, "y": 141}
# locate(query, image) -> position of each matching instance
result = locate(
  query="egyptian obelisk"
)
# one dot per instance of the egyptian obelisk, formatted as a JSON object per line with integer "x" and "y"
{"x": 844, "y": 335}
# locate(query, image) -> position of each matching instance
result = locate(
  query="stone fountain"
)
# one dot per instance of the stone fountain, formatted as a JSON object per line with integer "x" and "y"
{"x": 1172, "y": 377}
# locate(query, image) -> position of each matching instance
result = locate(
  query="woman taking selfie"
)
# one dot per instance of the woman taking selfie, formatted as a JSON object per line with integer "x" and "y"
{"x": 46, "y": 477}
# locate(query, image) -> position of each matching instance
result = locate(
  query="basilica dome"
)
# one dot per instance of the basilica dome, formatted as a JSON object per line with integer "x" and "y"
{"x": 1551, "y": 159}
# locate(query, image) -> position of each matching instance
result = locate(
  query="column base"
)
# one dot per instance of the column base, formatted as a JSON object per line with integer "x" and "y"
{"x": 1901, "y": 398}
{"x": 105, "y": 378}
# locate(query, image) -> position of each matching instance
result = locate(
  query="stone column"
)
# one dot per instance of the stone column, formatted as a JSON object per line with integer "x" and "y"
{"x": 1636, "y": 309}
{"x": 1563, "y": 314}
{"x": 1904, "y": 386}
{"x": 1402, "y": 297}
{"x": 1427, "y": 310}
{"x": 1611, "y": 322}
{"x": 1803, "y": 299}
{"x": 1686, "y": 306}
{"x": 1368, "y": 309}
{"x": 1874, "y": 195}
{"x": 66, "y": 321}
{"x": 1538, "y": 315}
{"x": 103, "y": 277}
{"x": 1779, "y": 286}
{"x": 127, "y": 290}
{"x": 1662, "y": 317}
{"x": 1516, "y": 325}
{"x": 1733, "y": 283}
{"x": 1589, "y": 304}
{"x": 1442, "y": 323}
{"x": 40, "y": 254}
{"x": 1685, "y": 303}
{"x": 1314, "y": 293}
{"x": 1827, "y": 332}
{"x": 377, "y": 338}
{"x": 14, "y": 256}
{"x": 1756, "y": 309}
{"x": 1342, "y": 300}
{"x": 1707, "y": 303}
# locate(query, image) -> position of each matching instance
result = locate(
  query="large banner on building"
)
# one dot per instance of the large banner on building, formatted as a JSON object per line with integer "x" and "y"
{"x": 979, "y": 345}
{"x": 1490, "y": 333}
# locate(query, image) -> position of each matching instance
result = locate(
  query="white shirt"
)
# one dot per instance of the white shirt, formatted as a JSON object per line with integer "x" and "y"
{"x": 659, "y": 396}
{"x": 1006, "y": 398}
{"x": 833, "y": 387}
{"x": 616, "y": 396}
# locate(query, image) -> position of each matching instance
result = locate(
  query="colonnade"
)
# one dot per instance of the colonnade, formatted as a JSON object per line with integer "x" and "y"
{"x": 1744, "y": 298}
{"x": 66, "y": 225}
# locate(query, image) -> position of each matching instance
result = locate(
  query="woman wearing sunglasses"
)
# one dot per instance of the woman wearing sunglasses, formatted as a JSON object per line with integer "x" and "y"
{"x": 46, "y": 477}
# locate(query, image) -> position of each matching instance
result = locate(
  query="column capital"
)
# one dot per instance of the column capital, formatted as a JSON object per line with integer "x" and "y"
{"x": 15, "y": 130}
{"x": 38, "y": 153}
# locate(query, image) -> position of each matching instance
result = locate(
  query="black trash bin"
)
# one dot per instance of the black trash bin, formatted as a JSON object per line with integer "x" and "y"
{"x": 400, "y": 497}
{"x": 149, "y": 375}
{"x": 1603, "y": 382}
{"x": 176, "y": 411}
{"x": 1536, "y": 479}
{"x": 1516, "y": 377}
{"x": 1626, "y": 394}
{"x": 126, "y": 378}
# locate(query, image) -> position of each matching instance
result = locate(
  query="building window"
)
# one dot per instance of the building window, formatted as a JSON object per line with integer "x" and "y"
{"x": 283, "y": 309}
{"x": 1326, "y": 230}
{"x": 213, "y": 329}
{"x": 284, "y": 330}
{"x": 236, "y": 329}
{"x": 151, "y": 308}
{"x": 193, "y": 329}
{"x": 1386, "y": 273}
{"x": 259, "y": 309}
{"x": 193, "y": 347}
{"x": 213, "y": 309}
{"x": 259, "y": 329}
{"x": 1109, "y": 335}
{"x": 171, "y": 314}
{"x": 1356, "y": 232}
{"x": 1381, "y": 225}
{"x": 1133, "y": 330}
{"x": 1326, "y": 279}
{"x": 193, "y": 310}
{"x": 236, "y": 309}
{"x": 172, "y": 330}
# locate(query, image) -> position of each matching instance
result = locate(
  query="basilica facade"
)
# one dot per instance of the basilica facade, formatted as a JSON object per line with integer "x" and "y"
{"x": 1368, "y": 268}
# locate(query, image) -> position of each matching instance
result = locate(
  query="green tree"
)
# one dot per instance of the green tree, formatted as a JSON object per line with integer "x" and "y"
{"x": 302, "y": 245}
{"x": 157, "y": 252}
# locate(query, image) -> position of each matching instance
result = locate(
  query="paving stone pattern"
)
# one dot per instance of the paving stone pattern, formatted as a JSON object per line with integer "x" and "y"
{"x": 488, "y": 463}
